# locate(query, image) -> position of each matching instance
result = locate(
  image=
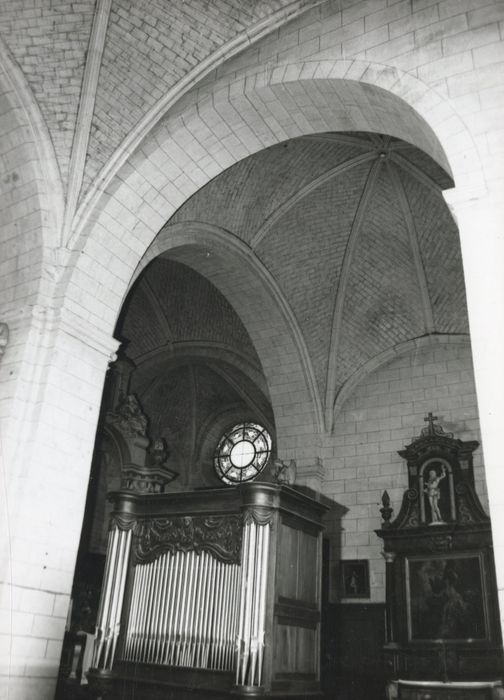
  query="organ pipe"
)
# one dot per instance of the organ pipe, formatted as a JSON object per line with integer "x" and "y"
{"x": 108, "y": 621}
{"x": 251, "y": 626}
{"x": 194, "y": 574}
{"x": 187, "y": 608}
{"x": 182, "y": 612}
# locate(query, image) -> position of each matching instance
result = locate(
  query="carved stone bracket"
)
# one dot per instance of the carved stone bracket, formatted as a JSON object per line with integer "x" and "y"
{"x": 221, "y": 536}
{"x": 146, "y": 479}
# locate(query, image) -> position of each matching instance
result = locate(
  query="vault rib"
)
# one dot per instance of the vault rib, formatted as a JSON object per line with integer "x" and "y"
{"x": 343, "y": 139}
{"x": 86, "y": 110}
{"x": 158, "y": 310}
{"x": 415, "y": 248}
{"x": 132, "y": 140}
{"x": 242, "y": 393}
{"x": 367, "y": 193}
{"x": 412, "y": 169}
{"x": 275, "y": 216}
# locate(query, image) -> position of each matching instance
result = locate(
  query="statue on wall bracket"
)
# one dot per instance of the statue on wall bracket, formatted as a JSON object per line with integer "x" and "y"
{"x": 144, "y": 467}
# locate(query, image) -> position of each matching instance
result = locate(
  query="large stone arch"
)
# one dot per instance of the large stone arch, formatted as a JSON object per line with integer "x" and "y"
{"x": 234, "y": 269}
{"x": 213, "y": 128}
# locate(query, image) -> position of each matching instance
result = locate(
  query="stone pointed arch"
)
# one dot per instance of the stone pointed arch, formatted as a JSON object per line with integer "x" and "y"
{"x": 181, "y": 153}
{"x": 235, "y": 270}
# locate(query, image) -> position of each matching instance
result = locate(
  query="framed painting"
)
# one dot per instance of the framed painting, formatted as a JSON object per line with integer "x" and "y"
{"x": 354, "y": 578}
{"x": 446, "y": 597}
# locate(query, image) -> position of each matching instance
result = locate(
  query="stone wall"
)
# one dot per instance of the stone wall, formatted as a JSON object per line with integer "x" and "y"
{"x": 385, "y": 412}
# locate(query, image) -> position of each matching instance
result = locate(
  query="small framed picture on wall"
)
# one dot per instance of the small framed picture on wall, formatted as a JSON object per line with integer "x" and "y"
{"x": 354, "y": 578}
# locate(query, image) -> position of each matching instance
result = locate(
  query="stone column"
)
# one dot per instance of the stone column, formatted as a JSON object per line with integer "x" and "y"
{"x": 50, "y": 403}
{"x": 390, "y": 595}
{"x": 480, "y": 218}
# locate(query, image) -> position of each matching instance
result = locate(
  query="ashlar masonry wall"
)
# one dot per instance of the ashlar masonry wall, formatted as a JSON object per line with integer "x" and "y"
{"x": 382, "y": 416}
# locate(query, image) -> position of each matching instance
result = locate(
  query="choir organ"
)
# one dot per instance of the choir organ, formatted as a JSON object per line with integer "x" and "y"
{"x": 216, "y": 591}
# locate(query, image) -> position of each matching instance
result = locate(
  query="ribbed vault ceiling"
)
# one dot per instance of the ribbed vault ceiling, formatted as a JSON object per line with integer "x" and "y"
{"x": 355, "y": 232}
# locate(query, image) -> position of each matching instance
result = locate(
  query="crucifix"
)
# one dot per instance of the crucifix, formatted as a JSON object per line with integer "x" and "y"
{"x": 430, "y": 420}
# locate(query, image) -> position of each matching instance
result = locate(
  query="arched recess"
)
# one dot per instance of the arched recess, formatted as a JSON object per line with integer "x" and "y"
{"x": 153, "y": 363}
{"x": 234, "y": 269}
{"x": 384, "y": 358}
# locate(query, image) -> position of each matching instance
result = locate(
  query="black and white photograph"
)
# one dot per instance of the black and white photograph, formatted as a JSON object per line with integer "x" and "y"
{"x": 251, "y": 366}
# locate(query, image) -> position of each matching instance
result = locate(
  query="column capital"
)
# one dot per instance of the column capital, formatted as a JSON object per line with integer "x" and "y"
{"x": 389, "y": 557}
{"x": 94, "y": 337}
{"x": 49, "y": 319}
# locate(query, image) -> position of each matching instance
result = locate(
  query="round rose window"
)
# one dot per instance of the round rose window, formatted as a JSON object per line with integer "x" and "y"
{"x": 242, "y": 453}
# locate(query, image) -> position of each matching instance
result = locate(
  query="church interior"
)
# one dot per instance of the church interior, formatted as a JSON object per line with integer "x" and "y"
{"x": 249, "y": 396}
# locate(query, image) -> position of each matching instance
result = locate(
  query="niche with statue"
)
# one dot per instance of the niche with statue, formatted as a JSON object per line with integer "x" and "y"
{"x": 441, "y": 595}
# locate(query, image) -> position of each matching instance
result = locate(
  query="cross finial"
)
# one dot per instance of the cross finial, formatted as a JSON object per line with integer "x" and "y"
{"x": 430, "y": 420}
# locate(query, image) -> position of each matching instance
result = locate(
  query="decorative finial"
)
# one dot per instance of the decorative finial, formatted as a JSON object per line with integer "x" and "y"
{"x": 386, "y": 509}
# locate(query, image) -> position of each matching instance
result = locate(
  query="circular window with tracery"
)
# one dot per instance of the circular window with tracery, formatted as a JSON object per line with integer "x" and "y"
{"x": 242, "y": 453}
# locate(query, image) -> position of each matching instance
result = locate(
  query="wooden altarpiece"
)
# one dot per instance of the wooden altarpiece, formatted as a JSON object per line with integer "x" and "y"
{"x": 443, "y": 632}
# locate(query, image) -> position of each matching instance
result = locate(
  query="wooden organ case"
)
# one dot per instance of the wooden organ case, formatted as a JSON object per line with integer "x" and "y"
{"x": 443, "y": 635}
{"x": 212, "y": 591}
